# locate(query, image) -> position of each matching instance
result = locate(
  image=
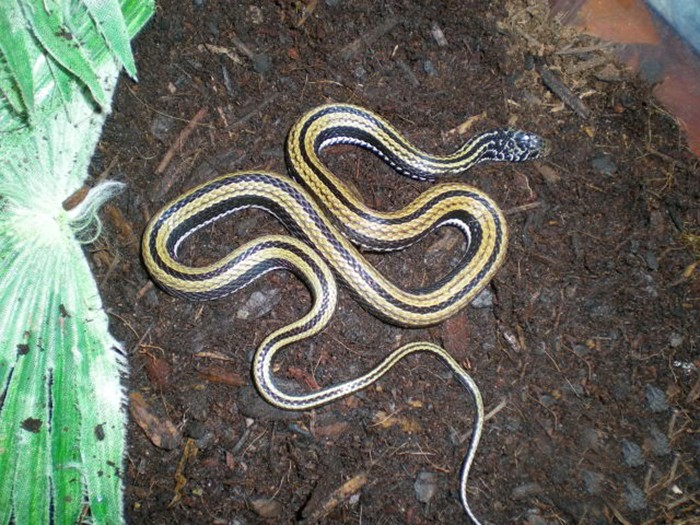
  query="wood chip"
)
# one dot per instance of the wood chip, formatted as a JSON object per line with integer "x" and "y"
{"x": 267, "y": 508}
{"x": 548, "y": 173}
{"x": 159, "y": 430}
{"x": 351, "y": 487}
{"x": 219, "y": 50}
{"x": 407, "y": 424}
{"x": 216, "y": 374}
{"x": 466, "y": 126}
{"x": 568, "y": 97}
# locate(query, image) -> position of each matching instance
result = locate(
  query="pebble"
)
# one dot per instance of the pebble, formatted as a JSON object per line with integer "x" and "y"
{"x": 484, "y": 299}
{"x": 650, "y": 287}
{"x": 632, "y": 454}
{"x": 592, "y": 481}
{"x": 547, "y": 401}
{"x": 430, "y": 68}
{"x": 360, "y": 73}
{"x": 634, "y": 497}
{"x": 675, "y": 340}
{"x": 259, "y": 303}
{"x": 651, "y": 260}
{"x": 267, "y": 508}
{"x": 581, "y": 350}
{"x": 161, "y": 126}
{"x": 194, "y": 429}
{"x": 425, "y": 486}
{"x": 589, "y": 438}
{"x": 656, "y": 399}
{"x": 604, "y": 164}
{"x": 262, "y": 63}
{"x": 660, "y": 444}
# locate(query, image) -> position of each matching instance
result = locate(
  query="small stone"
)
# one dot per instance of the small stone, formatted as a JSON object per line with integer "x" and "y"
{"x": 259, "y": 303}
{"x": 194, "y": 429}
{"x": 650, "y": 286}
{"x": 604, "y": 164}
{"x": 547, "y": 401}
{"x": 656, "y": 399}
{"x": 675, "y": 340}
{"x": 425, "y": 486}
{"x": 589, "y": 438}
{"x": 526, "y": 490}
{"x": 660, "y": 444}
{"x": 581, "y": 350}
{"x": 632, "y": 454}
{"x": 592, "y": 481}
{"x": 484, "y": 299}
{"x": 634, "y": 497}
{"x": 430, "y": 68}
{"x": 267, "y": 508}
{"x": 161, "y": 126}
{"x": 651, "y": 260}
{"x": 360, "y": 73}
{"x": 332, "y": 3}
{"x": 262, "y": 63}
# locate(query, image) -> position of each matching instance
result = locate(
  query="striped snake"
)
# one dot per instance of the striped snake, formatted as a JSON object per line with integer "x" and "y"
{"x": 329, "y": 223}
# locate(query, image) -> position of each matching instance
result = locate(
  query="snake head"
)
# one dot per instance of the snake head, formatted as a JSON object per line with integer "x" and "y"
{"x": 512, "y": 145}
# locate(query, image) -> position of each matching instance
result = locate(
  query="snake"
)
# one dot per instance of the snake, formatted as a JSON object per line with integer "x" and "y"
{"x": 330, "y": 229}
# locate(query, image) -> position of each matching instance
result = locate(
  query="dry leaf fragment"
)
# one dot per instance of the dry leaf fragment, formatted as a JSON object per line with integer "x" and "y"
{"x": 159, "y": 430}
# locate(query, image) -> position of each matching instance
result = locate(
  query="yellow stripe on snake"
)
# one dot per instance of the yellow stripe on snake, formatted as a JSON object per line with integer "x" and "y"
{"x": 328, "y": 223}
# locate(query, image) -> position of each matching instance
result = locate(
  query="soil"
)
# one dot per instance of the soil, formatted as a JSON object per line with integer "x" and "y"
{"x": 585, "y": 346}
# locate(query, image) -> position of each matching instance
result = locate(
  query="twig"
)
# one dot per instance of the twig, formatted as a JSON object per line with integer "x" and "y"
{"x": 523, "y": 208}
{"x": 410, "y": 75}
{"x": 552, "y": 81}
{"x": 354, "y": 47}
{"x": 181, "y": 139}
{"x": 112, "y": 267}
{"x": 242, "y": 47}
{"x": 500, "y": 406}
{"x": 588, "y": 64}
{"x": 245, "y": 118}
{"x": 145, "y": 288}
{"x": 583, "y": 50}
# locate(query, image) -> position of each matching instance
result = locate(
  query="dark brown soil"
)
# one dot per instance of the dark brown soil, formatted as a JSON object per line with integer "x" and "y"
{"x": 588, "y": 354}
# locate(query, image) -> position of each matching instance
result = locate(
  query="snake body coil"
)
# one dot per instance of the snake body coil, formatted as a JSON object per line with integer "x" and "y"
{"x": 328, "y": 222}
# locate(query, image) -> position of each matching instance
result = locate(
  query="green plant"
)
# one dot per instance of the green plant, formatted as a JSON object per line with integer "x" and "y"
{"x": 62, "y": 407}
